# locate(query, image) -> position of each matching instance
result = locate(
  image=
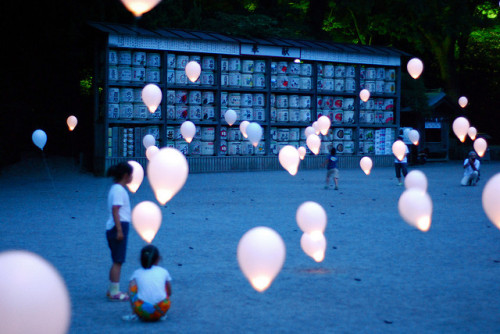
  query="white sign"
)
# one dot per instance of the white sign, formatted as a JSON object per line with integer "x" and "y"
{"x": 270, "y": 51}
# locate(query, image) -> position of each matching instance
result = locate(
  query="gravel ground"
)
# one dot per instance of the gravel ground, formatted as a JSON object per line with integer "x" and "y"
{"x": 379, "y": 275}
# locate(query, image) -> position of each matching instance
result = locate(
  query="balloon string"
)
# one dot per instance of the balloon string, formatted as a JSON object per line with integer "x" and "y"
{"x": 48, "y": 171}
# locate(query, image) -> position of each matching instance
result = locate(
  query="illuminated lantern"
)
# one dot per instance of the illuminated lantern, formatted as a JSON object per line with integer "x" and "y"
{"x": 415, "y": 67}
{"x": 261, "y": 253}
{"x": 414, "y": 136}
{"x": 311, "y": 217}
{"x": 167, "y": 173}
{"x": 71, "y": 121}
{"x": 151, "y": 96}
{"x": 302, "y": 152}
{"x": 151, "y": 151}
{"x": 289, "y": 158}
{"x": 230, "y": 116}
{"x": 460, "y": 127}
{"x": 366, "y": 165}
{"x": 243, "y": 128}
{"x": 480, "y": 146}
{"x": 364, "y": 95}
{"x": 139, "y": 7}
{"x": 324, "y": 124}
{"x": 472, "y": 132}
{"x": 415, "y": 207}
{"x": 314, "y": 245}
{"x": 309, "y": 131}
{"x": 463, "y": 101}
{"x": 193, "y": 70}
{"x": 188, "y": 130}
{"x": 254, "y": 133}
{"x": 416, "y": 179}
{"x": 34, "y": 296}
{"x": 146, "y": 219}
{"x": 399, "y": 149}
{"x": 491, "y": 199}
{"x": 39, "y": 138}
{"x": 148, "y": 140}
{"x": 137, "y": 176}
{"x": 314, "y": 143}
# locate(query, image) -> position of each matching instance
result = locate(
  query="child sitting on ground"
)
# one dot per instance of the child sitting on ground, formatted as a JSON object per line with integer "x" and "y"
{"x": 149, "y": 288}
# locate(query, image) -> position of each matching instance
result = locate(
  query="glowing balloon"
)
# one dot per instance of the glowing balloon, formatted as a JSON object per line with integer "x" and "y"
{"x": 151, "y": 152}
{"x": 364, "y": 95}
{"x": 146, "y": 219}
{"x": 311, "y": 217}
{"x": 314, "y": 143}
{"x": 316, "y": 128}
{"x": 463, "y": 101}
{"x": 472, "y": 132}
{"x": 72, "y": 122}
{"x": 34, "y": 296}
{"x": 137, "y": 176}
{"x": 415, "y": 67}
{"x": 139, "y": 7}
{"x": 309, "y": 131}
{"x": 399, "y": 149}
{"x": 302, "y": 152}
{"x": 416, "y": 179}
{"x": 314, "y": 245}
{"x": 39, "y": 138}
{"x": 167, "y": 173}
{"x": 151, "y": 96}
{"x": 415, "y": 207}
{"x": 261, "y": 254}
{"x": 254, "y": 133}
{"x": 480, "y": 146}
{"x": 230, "y": 116}
{"x": 414, "y": 136}
{"x": 460, "y": 127}
{"x": 289, "y": 158}
{"x": 324, "y": 125}
{"x": 193, "y": 70}
{"x": 243, "y": 128}
{"x": 188, "y": 130}
{"x": 148, "y": 140}
{"x": 491, "y": 199}
{"x": 366, "y": 164}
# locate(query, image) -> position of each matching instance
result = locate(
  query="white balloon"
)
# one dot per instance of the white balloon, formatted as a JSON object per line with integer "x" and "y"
{"x": 193, "y": 70}
{"x": 137, "y": 176}
{"x": 472, "y": 132}
{"x": 414, "y": 136}
{"x": 188, "y": 130}
{"x": 39, "y": 137}
{"x": 366, "y": 164}
{"x": 146, "y": 219}
{"x": 34, "y": 297}
{"x": 243, "y": 128}
{"x": 480, "y": 146}
{"x": 314, "y": 143}
{"x": 139, "y": 7}
{"x": 71, "y": 121}
{"x": 491, "y": 199}
{"x": 230, "y": 116}
{"x": 151, "y": 151}
{"x": 415, "y": 207}
{"x": 324, "y": 125}
{"x": 261, "y": 253}
{"x": 314, "y": 245}
{"x": 309, "y": 131}
{"x": 415, "y": 67}
{"x": 289, "y": 158}
{"x": 460, "y": 127}
{"x": 148, "y": 140}
{"x": 302, "y": 152}
{"x": 311, "y": 217}
{"x": 463, "y": 101}
{"x": 399, "y": 149}
{"x": 167, "y": 173}
{"x": 416, "y": 179}
{"x": 254, "y": 133}
{"x": 364, "y": 95}
{"x": 151, "y": 96}
{"x": 316, "y": 128}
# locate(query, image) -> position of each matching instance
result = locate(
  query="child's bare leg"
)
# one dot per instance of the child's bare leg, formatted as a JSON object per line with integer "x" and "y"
{"x": 336, "y": 180}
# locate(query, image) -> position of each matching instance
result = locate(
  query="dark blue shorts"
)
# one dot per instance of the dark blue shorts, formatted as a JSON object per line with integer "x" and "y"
{"x": 118, "y": 248}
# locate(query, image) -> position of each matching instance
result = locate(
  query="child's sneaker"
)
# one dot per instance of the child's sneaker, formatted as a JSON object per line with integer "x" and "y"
{"x": 119, "y": 297}
{"x": 326, "y": 187}
{"x": 336, "y": 188}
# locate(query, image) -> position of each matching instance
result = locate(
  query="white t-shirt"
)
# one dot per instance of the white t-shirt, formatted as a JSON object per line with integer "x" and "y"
{"x": 151, "y": 283}
{"x": 118, "y": 195}
{"x": 468, "y": 171}
{"x": 405, "y": 160}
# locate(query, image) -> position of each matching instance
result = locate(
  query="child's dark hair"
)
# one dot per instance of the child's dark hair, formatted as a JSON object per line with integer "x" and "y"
{"x": 333, "y": 151}
{"x": 119, "y": 170}
{"x": 149, "y": 256}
